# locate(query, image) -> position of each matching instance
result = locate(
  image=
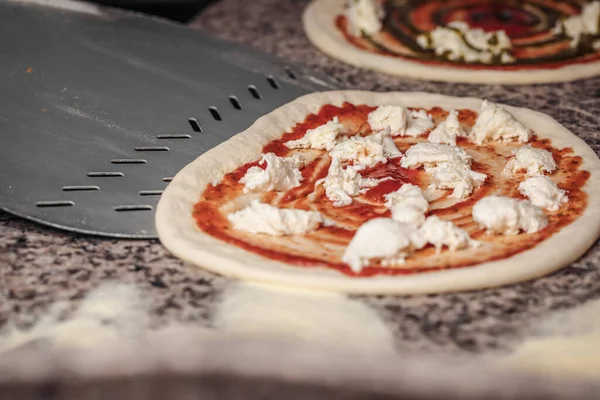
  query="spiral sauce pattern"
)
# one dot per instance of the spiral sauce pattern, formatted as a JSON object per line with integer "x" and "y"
{"x": 528, "y": 23}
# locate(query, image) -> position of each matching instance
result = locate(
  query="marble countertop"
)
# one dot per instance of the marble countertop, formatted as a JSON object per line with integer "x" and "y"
{"x": 41, "y": 265}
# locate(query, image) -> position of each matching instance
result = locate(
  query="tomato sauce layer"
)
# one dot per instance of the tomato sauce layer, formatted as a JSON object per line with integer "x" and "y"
{"x": 325, "y": 246}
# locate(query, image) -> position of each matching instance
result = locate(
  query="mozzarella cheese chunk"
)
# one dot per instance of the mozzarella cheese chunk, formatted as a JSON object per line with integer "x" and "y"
{"x": 389, "y": 146}
{"x": 533, "y": 161}
{"x": 543, "y": 193}
{"x": 586, "y": 23}
{"x": 418, "y": 123}
{"x": 399, "y": 121}
{"x": 449, "y": 165}
{"x": 458, "y": 42}
{"x": 448, "y": 130}
{"x": 341, "y": 184}
{"x": 408, "y": 215}
{"x": 280, "y": 174}
{"x": 458, "y": 177}
{"x": 322, "y": 137}
{"x": 389, "y": 117}
{"x": 508, "y": 216}
{"x": 408, "y": 205}
{"x": 364, "y": 17}
{"x": 264, "y": 218}
{"x": 430, "y": 154}
{"x": 382, "y": 239}
{"x": 367, "y": 151}
{"x": 494, "y": 123}
{"x": 442, "y": 233}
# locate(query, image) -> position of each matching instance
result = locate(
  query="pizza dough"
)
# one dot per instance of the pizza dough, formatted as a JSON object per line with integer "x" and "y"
{"x": 178, "y": 231}
{"x": 320, "y": 26}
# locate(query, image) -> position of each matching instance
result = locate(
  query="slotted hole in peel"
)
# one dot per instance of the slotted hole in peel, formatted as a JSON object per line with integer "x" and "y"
{"x": 152, "y": 148}
{"x": 151, "y": 192}
{"x": 128, "y": 161}
{"x": 195, "y": 125}
{"x": 174, "y": 136}
{"x": 80, "y": 188}
{"x": 104, "y": 174}
{"x": 235, "y": 102}
{"x": 60, "y": 203}
{"x": 254, "y": 92}
{"x": 215, "y": 113}
{"x": 167, "y": 179}
{"x": 290, "y": 73}
{"x": 141, "y": 207}
{"x": 274, "y": 84}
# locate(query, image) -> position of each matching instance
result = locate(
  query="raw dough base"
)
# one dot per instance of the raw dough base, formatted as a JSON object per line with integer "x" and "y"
{"x": 319, "y": 25}
{"x": 178, "y": 232}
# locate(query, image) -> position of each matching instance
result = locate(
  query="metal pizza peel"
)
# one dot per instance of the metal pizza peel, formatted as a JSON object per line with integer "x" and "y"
{"x": 100, "y": 108}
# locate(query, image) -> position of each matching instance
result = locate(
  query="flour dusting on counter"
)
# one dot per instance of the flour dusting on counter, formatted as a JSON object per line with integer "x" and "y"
{"x": 567, "y": 343}
{"x": 322, "y": 318}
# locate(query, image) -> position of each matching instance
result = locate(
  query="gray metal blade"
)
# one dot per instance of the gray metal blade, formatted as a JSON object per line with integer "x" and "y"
{"x": 95, "y": 111}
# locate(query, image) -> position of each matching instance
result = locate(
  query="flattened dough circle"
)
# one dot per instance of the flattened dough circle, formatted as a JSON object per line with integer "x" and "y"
{"x": 178, "y": 232}
{"x": 319, "y": 25}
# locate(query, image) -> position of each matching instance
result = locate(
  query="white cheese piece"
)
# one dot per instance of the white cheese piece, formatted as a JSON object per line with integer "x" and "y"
{"x": 449, "y": 165}
{"x": 264, "y": 218}
{"x": 494, "y": 42}
{"x": 383, "y": 239}
{"x": 367, "y": 151}
{"x": 399, "y": 121}
{"x": 418, "y": 123}
{"x": 389, "y": 146}
{"x": 342, "y": 184}
{"x": 450, "y": 44}
{"x": 455, "y": 176}
{"x": 280, "y": 174}
{"x": 364, "y": 17}
{"x": 448, "y": 130}
{"x": 543, "y": 192}
{"x": 576, "y": 26}
{"x": 495, "y": 123}
{"x": 442, "y": 233}
{"x": 532, "y": 219}
{"x": 408, "y": 205}
{"x": 457, "y": 42}
{"x": 508, "y": 216}
{"x": 506, "y": 58}
{"x": 296, "y": 160}
{"x": 322, "y": 137}
{"x": 430, "y": 154}
{"x": 533, "y": 161}
{"x": 408, "y": 194}
{"x": 389, "y": 117}
{"x": 408, "y": 215}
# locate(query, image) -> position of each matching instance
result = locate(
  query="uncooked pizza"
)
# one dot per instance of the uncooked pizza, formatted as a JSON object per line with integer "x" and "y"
{"x": 485, "y": 41}
{"x": 390, "y": 193}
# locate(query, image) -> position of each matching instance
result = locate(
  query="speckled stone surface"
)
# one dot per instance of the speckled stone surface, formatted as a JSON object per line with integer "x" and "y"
{"x": 40, "y": 265}
{"x": 488, "y": 319}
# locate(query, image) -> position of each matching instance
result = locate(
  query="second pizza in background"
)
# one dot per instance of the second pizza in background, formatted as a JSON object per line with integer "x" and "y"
{"x": 472, "y": 41}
